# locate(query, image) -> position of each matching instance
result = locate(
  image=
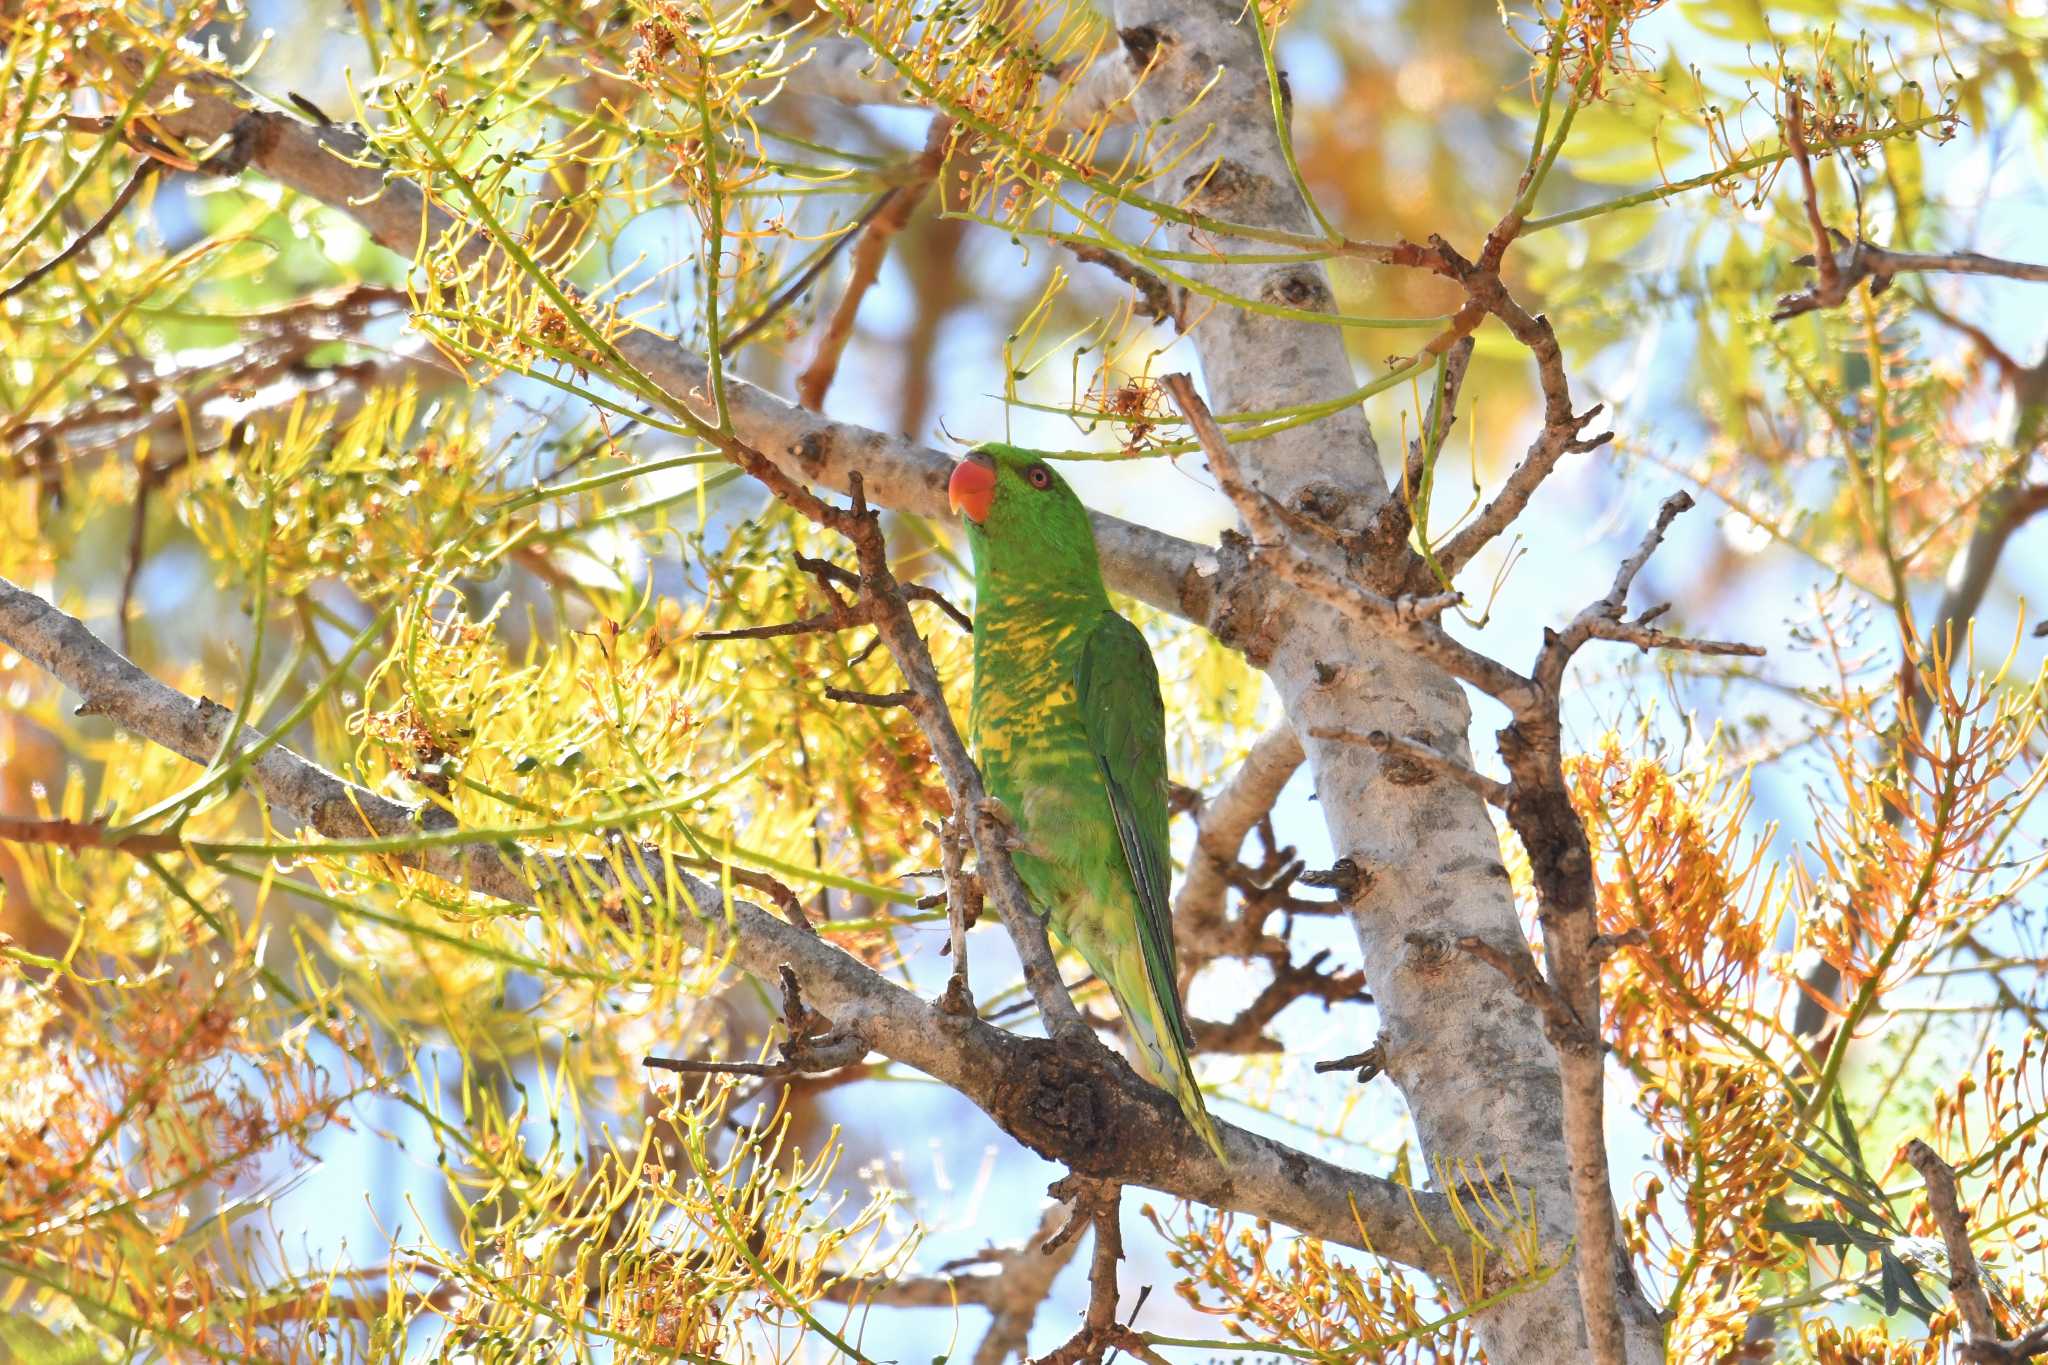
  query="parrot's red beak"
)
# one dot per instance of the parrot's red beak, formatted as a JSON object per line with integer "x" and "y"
{"x": 973, "y": 487}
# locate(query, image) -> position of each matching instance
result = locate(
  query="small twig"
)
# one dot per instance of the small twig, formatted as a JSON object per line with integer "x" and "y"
{"x": 145, "y": 168}
{"x": 811, "y": 1044}
{"x": 880, "y": 699}
{"x": 891, "y": 218}
{"x": 1830, "y": 286}
{"x": 692, "y": 1067}
{"x": 80, "y": 834}
{"x": 1603, "y": 619}
{"x": 1982, "y": 1344}
{"x": 1643, "y": 638}
{"x": 1561, "y": 1024}
{"x": 1154, "y": 296}
{"x": 919, "y": 592}
{"x": 786, "y": 900}
{"x": 963, "y": 907}
{"x": 1368, "y": 1064}
{"x": 1095, "y": 1202}
{"x": 845, "y": 616}
{"x": 1258, "y": 510}
{"x": 1861, "y": 260}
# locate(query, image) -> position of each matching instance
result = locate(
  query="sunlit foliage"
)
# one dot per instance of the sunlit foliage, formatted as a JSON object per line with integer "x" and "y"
{"x": 422, "y": 516}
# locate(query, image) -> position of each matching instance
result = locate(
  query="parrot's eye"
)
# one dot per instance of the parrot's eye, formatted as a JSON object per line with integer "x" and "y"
{"x": 1039, "y": 475}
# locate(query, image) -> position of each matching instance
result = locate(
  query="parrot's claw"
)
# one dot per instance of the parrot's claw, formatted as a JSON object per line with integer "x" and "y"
{"x": 993, "y": 812}
{"x": 996, "y": 813}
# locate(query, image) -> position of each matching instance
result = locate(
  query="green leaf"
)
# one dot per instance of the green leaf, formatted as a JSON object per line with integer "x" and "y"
{"x": 1898, "y": 1283}
{"x": 1862, "y": 1212}
{"x": 1852, "y": 1145}
{"x": 1820, "y": 1230}
{"x": 1826, "y": 1232}
{"x": 1739, "y": 22}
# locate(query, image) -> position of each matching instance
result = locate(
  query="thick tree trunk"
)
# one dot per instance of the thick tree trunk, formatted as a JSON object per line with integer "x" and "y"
{"x": 1471, "y": 1059}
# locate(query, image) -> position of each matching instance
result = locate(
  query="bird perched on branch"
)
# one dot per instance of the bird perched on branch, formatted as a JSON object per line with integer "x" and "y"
{"x": 1071, "y": 734}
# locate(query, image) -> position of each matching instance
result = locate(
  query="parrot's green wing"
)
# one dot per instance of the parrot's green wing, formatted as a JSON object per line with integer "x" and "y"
{"x": 1117, "y": 685}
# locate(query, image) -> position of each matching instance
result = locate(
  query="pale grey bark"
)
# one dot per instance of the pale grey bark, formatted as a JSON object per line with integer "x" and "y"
{"x": 1479, "y": 1076}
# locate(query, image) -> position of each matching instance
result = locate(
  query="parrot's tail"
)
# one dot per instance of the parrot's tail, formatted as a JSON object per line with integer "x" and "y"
{"x": 1164, "y": 1050}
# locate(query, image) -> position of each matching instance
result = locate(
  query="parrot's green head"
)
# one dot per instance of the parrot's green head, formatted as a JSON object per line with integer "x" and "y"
{"x": 1023, "y": 519}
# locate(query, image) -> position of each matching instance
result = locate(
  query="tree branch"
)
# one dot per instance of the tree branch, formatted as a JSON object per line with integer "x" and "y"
{"x": 1099, "y": 1203}
{"x": 1982, "y": 1344}
{"x": 1838, "y": 269}
{"x": 1407, "y": 620}
{"x": 1088, "y": 1111}
{"x": 332, "y": 164}
{"x": 1223, "y": 821}
{"x": 892, "y": 218}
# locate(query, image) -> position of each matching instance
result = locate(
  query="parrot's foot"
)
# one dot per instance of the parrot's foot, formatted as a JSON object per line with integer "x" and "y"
{"x": 993, "y": 812}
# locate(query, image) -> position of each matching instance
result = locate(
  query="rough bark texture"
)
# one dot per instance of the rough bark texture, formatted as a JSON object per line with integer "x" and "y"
{"x": 1479, "y": 1076}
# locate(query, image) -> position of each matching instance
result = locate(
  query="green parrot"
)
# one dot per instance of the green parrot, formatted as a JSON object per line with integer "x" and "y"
{"x": 1071, "y": 734}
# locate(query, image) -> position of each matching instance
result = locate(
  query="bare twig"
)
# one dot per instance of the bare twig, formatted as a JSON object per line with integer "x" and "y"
{"x": 1224, "y": 819}
{"x": 1824, "y": 252}
{"x": 1861, "y": 260}
{"x": 1840, "y": 263}
{"x": 1561, "y": 1024}
{"x": 843, "y": 616}
{"x": 1603, "y": 619}
{"x": 891, "y": 218}
{"x": 786, "y": 900}
{"x": 1097, "y": 1203}
{"x": 144, "y": 168}
{"x": 1154, "y": 297}
{"x": 82, "y": 834}
{"x": 810, "y": 1045}
{"x": 963, "y": 906}
{"x": 1367, "y": 1064}
{"x": 878, "y": 699}
{"x": 1982, "y": 1344}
